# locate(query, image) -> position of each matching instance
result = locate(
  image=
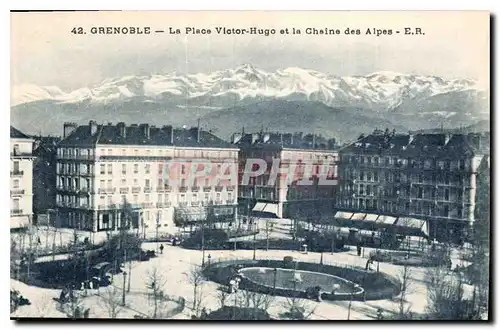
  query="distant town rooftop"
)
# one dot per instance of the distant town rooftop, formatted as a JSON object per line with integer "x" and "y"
{"x": 283, "y": 140}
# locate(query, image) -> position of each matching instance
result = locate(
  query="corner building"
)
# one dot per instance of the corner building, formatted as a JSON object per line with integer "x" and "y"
{"x": 100, "y": 167}
{"x": 427, "y": 176}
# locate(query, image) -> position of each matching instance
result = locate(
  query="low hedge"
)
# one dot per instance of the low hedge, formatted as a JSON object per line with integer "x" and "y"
{"x": 376, "y": 285}
{"x": 412, "y": 258}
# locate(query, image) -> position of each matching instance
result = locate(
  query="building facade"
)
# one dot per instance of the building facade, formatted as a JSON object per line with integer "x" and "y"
{"x": 21, "y": 182}
{"x": 294, "y": 165}
{"x": 426, "y": 176}
{"x": 102, "y": 168}
{"x": 44, "y": 178}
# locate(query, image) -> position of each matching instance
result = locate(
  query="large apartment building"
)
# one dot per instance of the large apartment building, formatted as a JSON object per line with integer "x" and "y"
{"x": 426, "y": 176}
{"x": 290, "y": 160}
{"x": 101, "y": 168}
{"x": 21, "y": 182}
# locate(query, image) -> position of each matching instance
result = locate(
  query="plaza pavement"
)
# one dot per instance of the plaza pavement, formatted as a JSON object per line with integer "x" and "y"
{"x": 175, "y": 265}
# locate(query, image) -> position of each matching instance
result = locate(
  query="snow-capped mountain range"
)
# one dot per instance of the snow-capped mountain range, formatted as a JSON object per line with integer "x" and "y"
{"x": 291, "y": 99}
{"x": 380, "y": 90}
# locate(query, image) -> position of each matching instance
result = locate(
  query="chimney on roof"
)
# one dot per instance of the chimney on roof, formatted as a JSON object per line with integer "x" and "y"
{"x": 447, "y": 138}
{"x": 236, "y": 138}
{"x": 68, "y": 128}
{"x": 93, "y": 127}
{"x": 255, "y": 137}
{"x": 145, "y": 130}
{"x": 122, "y": 129}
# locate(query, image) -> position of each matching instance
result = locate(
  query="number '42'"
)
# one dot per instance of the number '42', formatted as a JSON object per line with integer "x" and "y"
{"x": 77, "y": 30}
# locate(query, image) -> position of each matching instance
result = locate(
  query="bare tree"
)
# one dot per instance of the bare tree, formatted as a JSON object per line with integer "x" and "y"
{"x": 155, "y": 283}
{"x": 111, "y": 301}
{"x": 196, "y": 278}
{"x": 222, "y": 295}
{"x": 445, "y": 294}
{"x": 404, "y": 308}
{"x": 254, "y": 302}
{"x": 73, "y": 307}
{"x": 298, "y": 308}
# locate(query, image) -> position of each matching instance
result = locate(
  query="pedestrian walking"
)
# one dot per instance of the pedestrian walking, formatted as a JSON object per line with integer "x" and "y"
{"x": 161, "y": 248}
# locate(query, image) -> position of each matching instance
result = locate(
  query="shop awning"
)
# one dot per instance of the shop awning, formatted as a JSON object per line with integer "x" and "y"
{"x": 386, "y": 219}
{"x": 343, "y": 215}
{"x": 370, "y": 217}
{"x": 266, "y": 207}
{"x": 358, "y": 216}
{"x": 412, "y": 223}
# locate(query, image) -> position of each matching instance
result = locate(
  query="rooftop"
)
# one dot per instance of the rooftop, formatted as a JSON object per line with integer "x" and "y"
{"x": 143, "y": 134}
{"x": 455, "y": 145}
{"x": 17, "y": 134}
{"x": 283, "y": 140}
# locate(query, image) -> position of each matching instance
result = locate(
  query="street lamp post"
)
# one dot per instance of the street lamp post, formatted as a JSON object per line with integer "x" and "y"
{"x": 254, "y": 246}
{"x": 209, "y": 258}
{"x": 123, "y": 291}
{"x": 275, "y": 271}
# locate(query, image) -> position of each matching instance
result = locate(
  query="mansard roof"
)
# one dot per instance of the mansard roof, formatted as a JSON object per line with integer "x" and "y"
{"x": 137, "y": 135}
{"x": 415, "y": 145}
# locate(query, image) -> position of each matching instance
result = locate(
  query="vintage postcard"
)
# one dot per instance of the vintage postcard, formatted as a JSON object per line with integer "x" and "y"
{"x": 250, "y": 165}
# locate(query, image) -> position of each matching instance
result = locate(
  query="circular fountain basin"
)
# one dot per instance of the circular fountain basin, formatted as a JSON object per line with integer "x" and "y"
{"x": 299, "y": 280}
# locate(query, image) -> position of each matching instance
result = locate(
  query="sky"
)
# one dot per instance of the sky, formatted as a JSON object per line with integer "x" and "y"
{"x": 45, "y": 52}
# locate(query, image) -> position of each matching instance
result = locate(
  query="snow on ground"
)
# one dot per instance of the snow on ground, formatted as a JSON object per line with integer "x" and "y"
{"x": 174, "y": 267}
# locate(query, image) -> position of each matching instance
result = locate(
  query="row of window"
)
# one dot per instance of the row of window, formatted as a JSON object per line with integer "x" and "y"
{"x": 161, "y": 198}
{"x": 446, "y": 194}
{"x": 415, "y": 208}
{"x": 403, "y": 162}
{"x": 84, "y": 152}
{"x": 428, "y": 178}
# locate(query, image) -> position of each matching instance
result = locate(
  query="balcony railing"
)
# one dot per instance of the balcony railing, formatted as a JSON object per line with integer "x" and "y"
{"x": 124, "y": 190}
{"x": 163, "y": 205}
{"x": 218, "y": 188}
{"x": 230, "y": 188}
{"x": 78, "y": 157}
{"x": 207, "y": 189}
{"x": 16, "y": 212}
{"x": 84, "y": 190}
{"x": 136, "y": 189}
{"x": 182, "y": 188}
{"x": 17, "y": 191}
{"x": 229, "y": 202}
{"x": 147, "y": 205}
{"x": 160, "y": 189}
{"x": 168, "y": 189}
{"x": 195, "y": 188}
{"x": 183, "y": 204}
{"x": 16, "y": 173}
{"x": 147, "y": 189}
{"x": 195, "y": 203}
